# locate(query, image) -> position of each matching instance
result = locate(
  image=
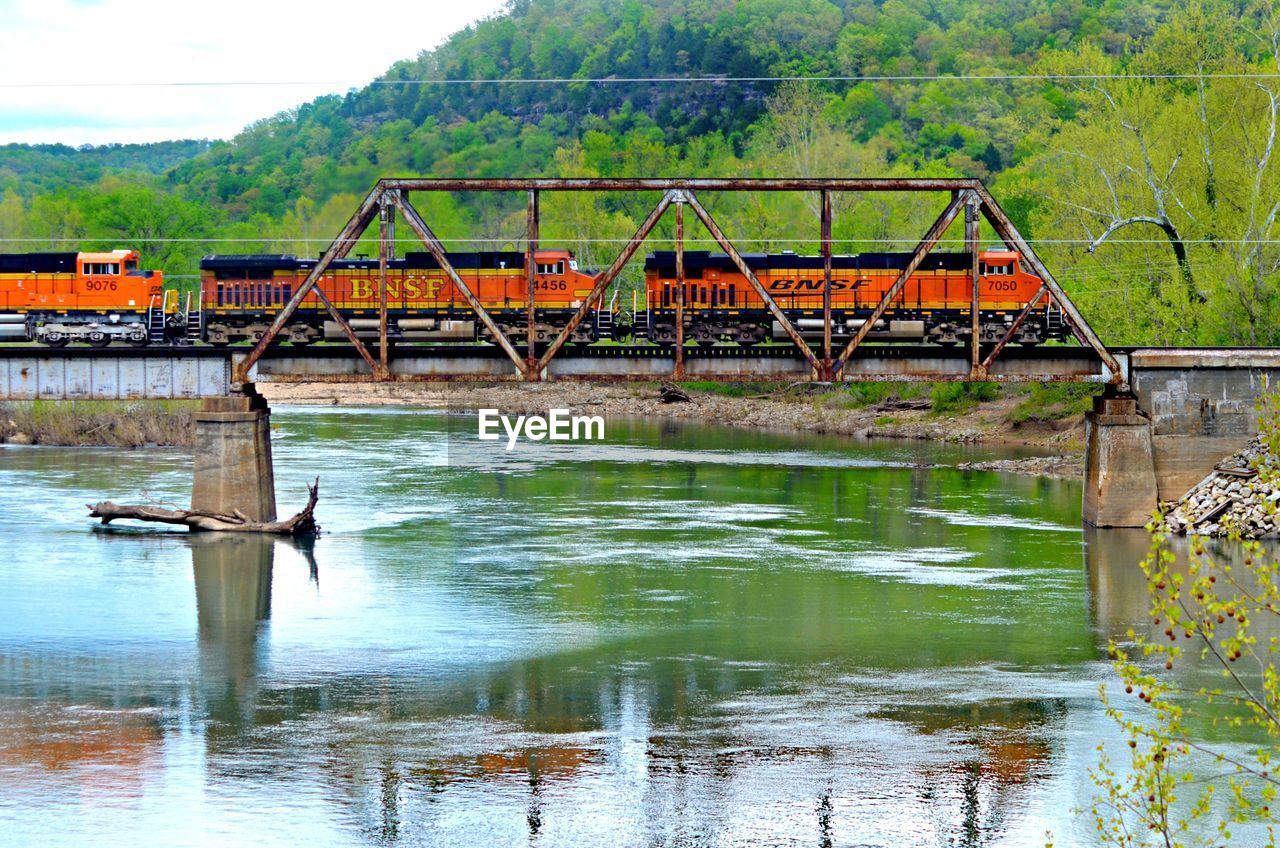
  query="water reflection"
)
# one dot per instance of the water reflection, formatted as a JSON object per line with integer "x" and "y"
{"x": 233, "y": 605}
{"x": 1117, "y": 598}
{"x": 692, "y": 636}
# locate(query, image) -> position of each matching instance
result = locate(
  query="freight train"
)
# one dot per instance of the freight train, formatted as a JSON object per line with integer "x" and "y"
{"x": 100, "y": 298}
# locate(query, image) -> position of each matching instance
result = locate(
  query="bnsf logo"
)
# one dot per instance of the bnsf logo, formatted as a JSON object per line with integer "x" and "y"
{"x": 814, "y": 285}
{"x": 411, "y": 288}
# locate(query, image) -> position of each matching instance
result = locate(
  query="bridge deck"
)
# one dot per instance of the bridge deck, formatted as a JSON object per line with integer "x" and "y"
{"x": 28, "y": 372}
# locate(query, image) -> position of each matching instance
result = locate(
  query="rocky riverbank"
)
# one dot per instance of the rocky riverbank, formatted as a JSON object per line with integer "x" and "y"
{"x": 796, "y": 408}
{"x": 1240, "y": 496}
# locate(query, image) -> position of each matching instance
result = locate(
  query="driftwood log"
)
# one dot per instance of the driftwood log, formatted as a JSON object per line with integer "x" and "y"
{"x": 671, "y": 393}
{"x": 302, "y": 524}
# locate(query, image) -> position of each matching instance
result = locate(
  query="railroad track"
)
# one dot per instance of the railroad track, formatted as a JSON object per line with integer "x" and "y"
{"x": 444, "y": 351}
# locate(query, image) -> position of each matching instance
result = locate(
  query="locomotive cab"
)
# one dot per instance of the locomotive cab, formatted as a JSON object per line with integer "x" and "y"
{"x": 112, "y": 280}
{"x": 999, "y": 263}
{"x": 559, "y": 282}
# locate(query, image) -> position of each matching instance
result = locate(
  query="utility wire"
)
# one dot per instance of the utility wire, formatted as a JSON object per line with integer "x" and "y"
{"x": 912, "y": 240}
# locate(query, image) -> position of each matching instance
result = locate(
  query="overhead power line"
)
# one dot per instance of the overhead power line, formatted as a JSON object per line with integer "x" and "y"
{"x": 655, "y": 238}
{"x": 685, "y": 80}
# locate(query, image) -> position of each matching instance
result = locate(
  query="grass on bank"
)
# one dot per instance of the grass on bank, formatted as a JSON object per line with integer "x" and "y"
{"x": 1054, "y": 401}
{"x": 98, "y": 423}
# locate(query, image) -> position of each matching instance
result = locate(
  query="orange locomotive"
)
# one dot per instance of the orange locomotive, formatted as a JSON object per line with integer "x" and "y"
{"x": 58, "y": 298}
{"x": 933, "y": 305}
{"x": 240, "y": 296}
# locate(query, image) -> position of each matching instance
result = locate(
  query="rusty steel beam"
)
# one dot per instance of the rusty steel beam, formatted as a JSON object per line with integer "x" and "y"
{"x": 386, "y": 221}
{"x": 727, "y": 246}
{"x": 374, "y": 367}
{"x": 689, "y": 184}
{"x": 433, "y": 245}
{"x": 931, "y": 238}
{"x": 337, "y": 249}
{"x": 1083, "y": 332}
{"x": 1013, "y": 328}
{"x": 972, "y": 224}
{"x": 531, "y": 277}
{"x": 605, "y": 279}
{"x": 678, "y": 373}
{"x": 825, "y": 235}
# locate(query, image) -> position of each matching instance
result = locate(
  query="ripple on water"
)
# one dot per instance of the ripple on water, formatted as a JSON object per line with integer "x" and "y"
{"x": 960, "y": 518}
{"x": 929, "y": 566}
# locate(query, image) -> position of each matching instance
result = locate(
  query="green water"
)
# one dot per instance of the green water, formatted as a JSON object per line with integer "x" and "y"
{"x": 684, "y": 635}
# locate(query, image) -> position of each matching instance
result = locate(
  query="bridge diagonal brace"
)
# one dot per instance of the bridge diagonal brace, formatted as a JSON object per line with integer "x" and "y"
{"x": 1013, "y": 328}
{"x": 360, "y": 346}
{"x": 778, "y": 315}
{"x": 386, "y": 249}
{"x": 1079, "y": 326}
{"x": 337, "y": 249}
{"x": 607, "y": 277}
{"x": 433, "y": 245}
{"x": 926, "y": 244}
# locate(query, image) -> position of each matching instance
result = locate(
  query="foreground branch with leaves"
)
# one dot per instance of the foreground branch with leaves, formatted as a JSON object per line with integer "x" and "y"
{"x": 1217, "y": 611}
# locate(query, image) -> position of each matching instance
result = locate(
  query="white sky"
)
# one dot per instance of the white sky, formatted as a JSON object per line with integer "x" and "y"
{"x": 318, "y": 47}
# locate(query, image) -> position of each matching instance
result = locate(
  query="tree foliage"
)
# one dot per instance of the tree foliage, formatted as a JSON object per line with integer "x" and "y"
{"x": 1170, "y": 185}
{"x": 1152, "y": 194}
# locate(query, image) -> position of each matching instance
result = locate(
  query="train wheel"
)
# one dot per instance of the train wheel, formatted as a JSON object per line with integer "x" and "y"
{"x": 58, "y": 341}
{"x": 142, "y": 342}
{"x": 99, "y": 340}
{"x": 221, "y": 343}
{"x": 257, "y": 337}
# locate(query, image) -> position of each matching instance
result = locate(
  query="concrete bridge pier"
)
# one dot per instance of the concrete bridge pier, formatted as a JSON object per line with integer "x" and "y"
{"x": 1120, "y": 487}
{"x": 233, "y": 457}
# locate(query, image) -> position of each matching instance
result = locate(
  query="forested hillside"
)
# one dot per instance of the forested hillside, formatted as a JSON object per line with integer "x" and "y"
{"x": 1132, "y": 140}
{"x": 400, "y": 125}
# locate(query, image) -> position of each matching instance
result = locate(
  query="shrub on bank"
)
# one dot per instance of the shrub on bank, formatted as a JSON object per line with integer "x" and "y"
{"x": 957, "y": 397}
{"x": 98, "y": 423}
{"x": 1054, "y": 401}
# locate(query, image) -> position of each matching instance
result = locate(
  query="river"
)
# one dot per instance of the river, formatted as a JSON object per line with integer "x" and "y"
{"x": 683, "y": 635}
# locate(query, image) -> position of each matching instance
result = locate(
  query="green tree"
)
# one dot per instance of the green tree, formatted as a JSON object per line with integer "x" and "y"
{"x": 13, "y": 213}
{"x": 1171, "y": 184}
{"x": 171, "y": 232}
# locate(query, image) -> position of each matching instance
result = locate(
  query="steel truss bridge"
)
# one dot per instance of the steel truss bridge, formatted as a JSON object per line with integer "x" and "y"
{"x": 392, "y": 198}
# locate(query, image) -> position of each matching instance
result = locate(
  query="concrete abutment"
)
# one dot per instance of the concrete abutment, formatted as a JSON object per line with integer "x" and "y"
{"x": 232, "y": 468}
{"x": 1120, "y": 488}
